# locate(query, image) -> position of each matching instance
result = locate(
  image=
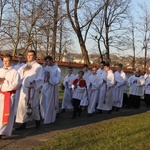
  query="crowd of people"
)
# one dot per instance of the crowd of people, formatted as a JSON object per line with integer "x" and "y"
{"x": 29, "y": 91}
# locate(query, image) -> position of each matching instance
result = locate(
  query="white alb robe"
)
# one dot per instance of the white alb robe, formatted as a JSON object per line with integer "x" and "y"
{"x": 101, "y": 73}
{"x": 66, "y": 101}
{"x": 78, "y": 92}
{"x": 1, "y": 63}
{"x": 136, "y": 88}
{"x": 10, "y": 84}
{"x": 42, "y": 96}
{"x": 119, "y": 88}
{"x": 86, "y": 74}
{"x": 50, "y": 94}
{"x": 105, "y": 95}
{"x": 92, "y": 92}
{"x": 33, "y": 74}
{"x": 147, "y": 84}
{"x": 17, "y": 67}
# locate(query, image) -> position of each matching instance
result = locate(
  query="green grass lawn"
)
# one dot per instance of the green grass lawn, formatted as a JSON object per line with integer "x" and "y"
{"x": 125, "y": 133}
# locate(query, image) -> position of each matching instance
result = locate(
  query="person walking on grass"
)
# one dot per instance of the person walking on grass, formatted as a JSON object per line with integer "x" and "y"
{"x": 17, "y": 67}
{"x": 136, "y": 83}
{"x": 66, "y": 101}
{"x": 32, "y": 79}
{"x": 147, "y": 89}
{"x": 105, "y": 98}
{"x": 120, "y": 87}
{"x": 93, "y": 84}
{"x": 50, "y": 90}
{"x": 9, "y": 80}
{"x": 78, "y": 87}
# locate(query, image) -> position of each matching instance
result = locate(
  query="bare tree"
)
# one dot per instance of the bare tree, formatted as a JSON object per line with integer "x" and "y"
{"x": 98, "y": 27}
{"x": 144, "y": 29}
{"x": 132, "y": 29}
{"x": 2, "y": 5}
{"x": 110, "y": 29}
{"x": 79, "y": 25}
{"x": 31, "y": 24}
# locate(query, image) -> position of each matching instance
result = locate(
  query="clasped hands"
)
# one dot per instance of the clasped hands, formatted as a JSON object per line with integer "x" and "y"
{"x": 2, "y": 80}
{"x": 28, "y": 67}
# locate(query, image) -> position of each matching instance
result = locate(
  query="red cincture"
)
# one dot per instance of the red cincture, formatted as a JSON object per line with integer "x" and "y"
{"x": 7, "y": 104}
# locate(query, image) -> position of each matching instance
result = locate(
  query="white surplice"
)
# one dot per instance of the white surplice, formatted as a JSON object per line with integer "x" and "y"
{"x": 66, "y": 101}
{"x": 34, "y": 74}
{"x": 17, "y": 67}
{"x": 50, "y": 94}
{"x": 1, "y": 63}
{"x": 92, "y": 92}
{"x": 43, "y": 95}
{"x": 147, "y": 84}
{"x": 86, "y": 74}
{"x": 101, "y": 73}
{"x": 105, "y": 95}
{"x": 10, "y": 84}
{"x": 119, "y": 88}
{"x": 84, "y": 100}
{"x": 136, "y": 88}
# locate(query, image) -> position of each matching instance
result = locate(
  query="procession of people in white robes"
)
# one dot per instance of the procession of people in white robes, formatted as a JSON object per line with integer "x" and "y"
{"x": 97, "y": 90}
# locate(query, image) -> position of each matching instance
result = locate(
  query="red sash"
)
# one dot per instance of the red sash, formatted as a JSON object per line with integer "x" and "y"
{"x": 7, "y": 103}
{"x": 82, "y": 82}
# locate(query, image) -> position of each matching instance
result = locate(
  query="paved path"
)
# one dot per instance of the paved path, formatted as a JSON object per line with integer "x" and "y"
{"x": 31, "y": 137}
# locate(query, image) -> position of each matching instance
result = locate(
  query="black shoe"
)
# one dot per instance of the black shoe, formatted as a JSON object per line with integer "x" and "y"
{"x": 89, "y": 114}
{"x": 99, "y": 112}
{"x": 73, "y": 117}
{"x": 63, "y": 110}
{"x": 21, "y": 127}
{"x": 37, "y": 124}
{"x": 0, "y": 136}
{"x": 109, "y": 112}
{"x": 117, "y": 109}
{"x": 79, "y": 113}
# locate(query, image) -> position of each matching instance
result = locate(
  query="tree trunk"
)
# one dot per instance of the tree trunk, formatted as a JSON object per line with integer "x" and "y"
{"x": 107, "y": 45}
{"x": 145, "y": 58}
{"x": 99, "y": 48}
{"x": 83, "y": 49}
{"x": 55, "y": 21}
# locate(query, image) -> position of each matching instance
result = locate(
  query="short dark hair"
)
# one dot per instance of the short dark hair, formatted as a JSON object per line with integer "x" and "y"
{"x": 107, "y": 64}
{"x": 70, "y": 68}
{"x": 48, "y": 57}
{"x": 81, "y": 71}
{"x": 20, "y": 54}
{"x": 8, "y": 56}
{"x": 85, "y": 65}
{"x": 32, "y": 51}
{"x": 120, "y": 65}
{"x": 103, "y": 62}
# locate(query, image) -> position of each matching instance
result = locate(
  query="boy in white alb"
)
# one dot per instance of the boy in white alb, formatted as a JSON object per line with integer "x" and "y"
{"x": 9, "y": 80}
{"x": 66, "y": 101}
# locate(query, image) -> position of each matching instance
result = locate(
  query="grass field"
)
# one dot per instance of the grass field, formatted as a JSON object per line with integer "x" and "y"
{"x": 123, "y": 133}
